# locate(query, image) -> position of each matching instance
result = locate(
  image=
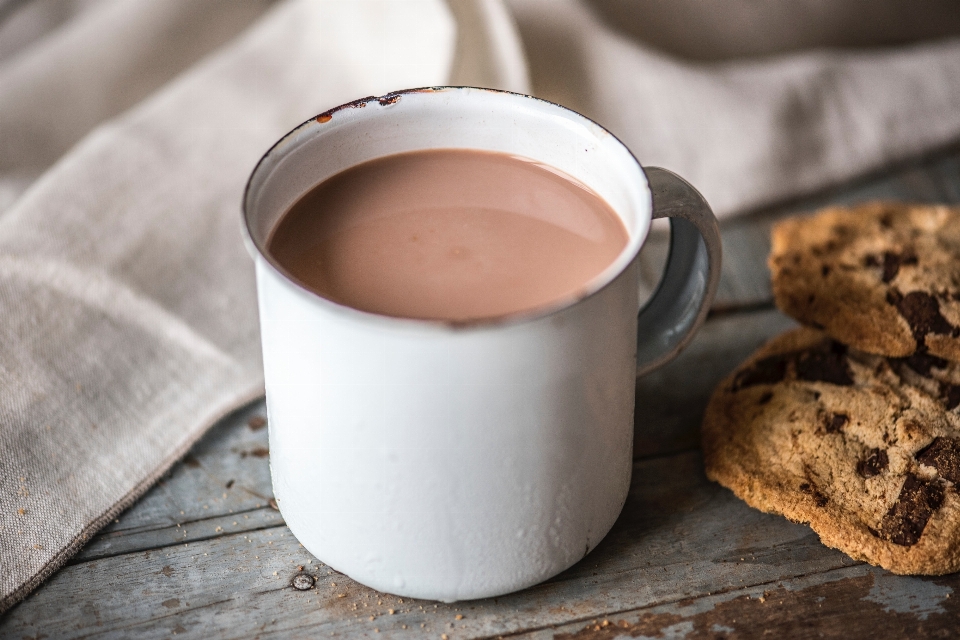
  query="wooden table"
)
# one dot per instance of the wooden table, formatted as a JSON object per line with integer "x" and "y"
{"x": 204, "y": 554}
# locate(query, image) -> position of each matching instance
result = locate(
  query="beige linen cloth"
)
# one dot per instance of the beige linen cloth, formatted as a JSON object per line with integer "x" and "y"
{"x": 128, "y": 128}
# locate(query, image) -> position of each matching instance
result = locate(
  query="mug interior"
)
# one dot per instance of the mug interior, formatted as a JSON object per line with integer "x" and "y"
{"x": 451, "y": 118}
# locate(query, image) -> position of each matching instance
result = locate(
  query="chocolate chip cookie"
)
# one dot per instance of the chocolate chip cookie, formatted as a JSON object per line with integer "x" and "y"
{"x": 866, "y": 449}
{"x": 881, "y": 277}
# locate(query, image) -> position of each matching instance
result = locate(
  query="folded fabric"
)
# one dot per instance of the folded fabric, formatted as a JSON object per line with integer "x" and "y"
{"x": 129, "y": 312}
{"x": 747, "y": 132}
{"x": 103, "y": 60}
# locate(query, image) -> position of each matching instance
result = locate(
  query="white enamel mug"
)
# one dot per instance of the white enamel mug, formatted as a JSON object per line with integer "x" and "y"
{"x": 459, "y": 461}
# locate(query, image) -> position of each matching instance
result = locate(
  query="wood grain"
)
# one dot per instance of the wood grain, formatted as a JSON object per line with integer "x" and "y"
{"x": 857, "y": 601}
{"x": 225, "y": 478}
{"x": 671, "y": 400}
{"x": 745, "y": 279}
{"x": 679, "y": 537}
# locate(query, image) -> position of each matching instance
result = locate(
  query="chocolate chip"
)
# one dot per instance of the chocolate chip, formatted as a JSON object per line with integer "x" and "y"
{"x": 871, "y": 261}
{"x": 834, "y": 422}
{"x": 891, "y": 266}
{"x": 825, "y": 363}
{"x": 943, "y": 454}
{"x": 904, "y": 523}
{"x": 825, "y": 366}
{"x": 893, "y": 261}
{"x": 923, "y": 362}
{"x": 874, "y": 464}
{"x": 825, "y": 270}
{"x": 765, "y": 398}
{"x": 818, "y": 498}
{"x": 922, "y": 313}
{"x": 765, "y": 371}
{"x": 950, "y": 395}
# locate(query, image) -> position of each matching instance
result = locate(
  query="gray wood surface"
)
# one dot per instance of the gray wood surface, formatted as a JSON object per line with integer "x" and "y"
{"x": 205, "y": 554}
{"x": 746, "y": 279}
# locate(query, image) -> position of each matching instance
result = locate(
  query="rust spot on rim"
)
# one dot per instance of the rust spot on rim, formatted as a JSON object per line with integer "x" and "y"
{"x": 360, "y": 103}
{"x": 384, "y": 100}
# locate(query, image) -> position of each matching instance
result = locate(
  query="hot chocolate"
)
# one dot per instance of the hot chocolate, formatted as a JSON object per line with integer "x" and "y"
{"x": 449, "y": 234}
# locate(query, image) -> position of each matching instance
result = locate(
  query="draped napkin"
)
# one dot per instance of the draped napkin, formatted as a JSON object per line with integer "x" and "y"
{"x": 128, "y": 305}
{"x": 127, "y": 297}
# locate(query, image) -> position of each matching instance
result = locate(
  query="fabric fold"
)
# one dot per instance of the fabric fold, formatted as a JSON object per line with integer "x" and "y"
{"x": 127, "y": 295}
{"x": 746, "y": 132}
{"x": 110, "y": 56}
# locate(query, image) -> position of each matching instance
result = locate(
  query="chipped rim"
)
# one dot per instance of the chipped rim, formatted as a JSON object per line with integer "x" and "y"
{"x": 605, "y": 278}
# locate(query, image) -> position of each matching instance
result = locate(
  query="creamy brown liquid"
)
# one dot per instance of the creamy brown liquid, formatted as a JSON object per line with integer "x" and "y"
{"x": 448, "y": 235}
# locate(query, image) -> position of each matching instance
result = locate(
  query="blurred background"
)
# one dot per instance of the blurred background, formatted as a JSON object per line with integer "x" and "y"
{"x": 779, "y": 97}
{"x": 724, "y": 29}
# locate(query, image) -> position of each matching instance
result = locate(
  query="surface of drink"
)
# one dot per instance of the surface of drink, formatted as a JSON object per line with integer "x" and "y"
{"x": 448, "y": 234}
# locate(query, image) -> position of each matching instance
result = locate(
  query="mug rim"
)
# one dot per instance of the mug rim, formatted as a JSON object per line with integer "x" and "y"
{"x": 627, "y": 256}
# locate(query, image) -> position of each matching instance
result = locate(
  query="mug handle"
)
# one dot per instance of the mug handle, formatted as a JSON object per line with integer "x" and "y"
{"x": 669, "y": 320}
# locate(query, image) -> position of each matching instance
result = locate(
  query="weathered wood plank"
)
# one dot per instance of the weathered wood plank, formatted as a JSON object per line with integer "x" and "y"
{"x": 671, "y": 400}
{"x": 843, "y": 603}
{"x": 224, "y": 478}
{"x": 686, "y": 560}
{"x": 679, "y": 537}
{"x": 224, "y": 473}
{"x": 121, "y": 542}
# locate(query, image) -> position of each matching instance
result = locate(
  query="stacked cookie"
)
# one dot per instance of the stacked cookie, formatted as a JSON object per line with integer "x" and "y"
{"x": 852, "y": 422}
